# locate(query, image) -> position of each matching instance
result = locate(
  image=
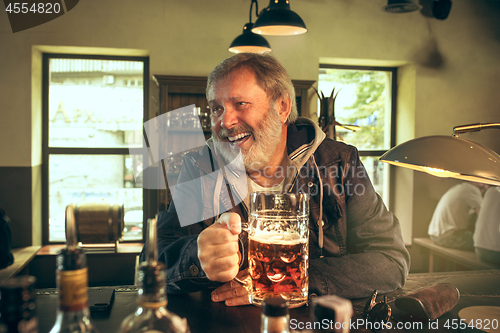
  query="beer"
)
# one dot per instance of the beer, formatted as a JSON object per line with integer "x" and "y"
{"x": 278, "y": 266}
{"x": 278, "y": 247}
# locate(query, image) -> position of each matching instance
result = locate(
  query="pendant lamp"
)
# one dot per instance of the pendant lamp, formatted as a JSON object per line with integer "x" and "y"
{"x": 401, "y": 6}
{"x": 249, "y": 41}
{"x": 278, "y": 19}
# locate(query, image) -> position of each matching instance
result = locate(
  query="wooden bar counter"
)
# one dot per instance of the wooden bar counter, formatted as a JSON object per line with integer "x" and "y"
{"x": 204, "y": 316}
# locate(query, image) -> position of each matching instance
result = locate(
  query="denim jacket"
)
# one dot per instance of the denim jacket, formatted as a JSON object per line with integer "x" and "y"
{"x": 360, "y": 248}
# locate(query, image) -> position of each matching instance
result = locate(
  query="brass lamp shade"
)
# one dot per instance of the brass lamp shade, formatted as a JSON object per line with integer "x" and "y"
{"x": 447, "y": 156}
{"x": 278, "y": 20}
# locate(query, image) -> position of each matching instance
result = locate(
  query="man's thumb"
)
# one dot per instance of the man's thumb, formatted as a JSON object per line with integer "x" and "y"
{"x": 232, "y": 222}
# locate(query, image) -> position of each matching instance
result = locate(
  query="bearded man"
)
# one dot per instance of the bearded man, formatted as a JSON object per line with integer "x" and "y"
{"x": 355, "y": 243}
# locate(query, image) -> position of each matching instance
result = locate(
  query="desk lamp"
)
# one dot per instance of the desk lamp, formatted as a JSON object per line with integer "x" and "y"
{"x": 449, "y": 156}
{"x": 453, "y": 157}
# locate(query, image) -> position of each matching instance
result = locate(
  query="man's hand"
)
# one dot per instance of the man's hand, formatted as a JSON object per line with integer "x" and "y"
{"x": 234, "y": 293}
{"x": 218, "y": 248}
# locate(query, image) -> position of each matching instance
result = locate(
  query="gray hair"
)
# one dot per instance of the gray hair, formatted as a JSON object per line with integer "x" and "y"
{"x": 270, "y": 75}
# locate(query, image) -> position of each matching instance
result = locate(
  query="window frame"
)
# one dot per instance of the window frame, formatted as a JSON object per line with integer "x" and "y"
{"x": 47, "y": 151}
{"x": 393, "y": 90}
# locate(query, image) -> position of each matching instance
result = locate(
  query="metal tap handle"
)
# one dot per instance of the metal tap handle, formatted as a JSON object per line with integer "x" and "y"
{"x": 152, "y": 251}
{"x": 71, "y": 238}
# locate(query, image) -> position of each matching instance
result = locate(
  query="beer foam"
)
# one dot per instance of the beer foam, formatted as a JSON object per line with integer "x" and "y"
{"x": 277, "y": 238}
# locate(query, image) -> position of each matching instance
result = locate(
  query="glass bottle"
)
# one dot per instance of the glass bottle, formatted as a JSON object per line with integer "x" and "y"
{"x": 152, "y": 315}
{"x": 190, "y": 119}
{"x": 196, "y": 117}
{"x": 333, "y": 313}
{"x": 203, "y": 118}
{"x": 171, "y": 167}
{"x": 175, "y": 120}
{"x": 275, "y": 317}
{"x": 17, "y": 305}
{"x": 73, "y": 313}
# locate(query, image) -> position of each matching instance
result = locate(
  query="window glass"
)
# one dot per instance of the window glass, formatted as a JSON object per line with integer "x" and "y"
{"x": 363, "y": 100}
{"x": 94, "y": 178}
{"x": 379, "y": 175}
{"x": 94, "y": 103}
{"x": 93, "y": 110}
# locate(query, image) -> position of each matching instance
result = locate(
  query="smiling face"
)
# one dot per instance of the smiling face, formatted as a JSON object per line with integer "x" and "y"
{"x": 244, "y": 119}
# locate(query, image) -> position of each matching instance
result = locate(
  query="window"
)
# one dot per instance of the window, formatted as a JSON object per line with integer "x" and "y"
{"x": 91, "y": 105}
{"x": 365, "y": 100}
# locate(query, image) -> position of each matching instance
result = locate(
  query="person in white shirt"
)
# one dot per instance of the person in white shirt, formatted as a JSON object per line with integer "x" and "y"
{"x": 487, "y": 232}
{"x": 451, "y": 223}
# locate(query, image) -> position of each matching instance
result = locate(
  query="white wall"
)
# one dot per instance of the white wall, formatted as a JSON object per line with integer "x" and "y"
{"x": 190, "y": 37}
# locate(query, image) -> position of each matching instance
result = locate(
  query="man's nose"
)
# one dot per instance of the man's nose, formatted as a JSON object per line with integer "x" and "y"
{"x": 229, "y": 118}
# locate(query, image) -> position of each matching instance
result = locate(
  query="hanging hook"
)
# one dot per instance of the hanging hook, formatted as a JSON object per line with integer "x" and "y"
{"x": 256, "y": 10}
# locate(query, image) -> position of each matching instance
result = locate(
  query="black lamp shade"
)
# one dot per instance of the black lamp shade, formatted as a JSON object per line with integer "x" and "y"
{"x": 401, "y": 6}
{"x": 441, "y": 9}
{"x": 278, "y": 20}
{"x": 249, "y": 42}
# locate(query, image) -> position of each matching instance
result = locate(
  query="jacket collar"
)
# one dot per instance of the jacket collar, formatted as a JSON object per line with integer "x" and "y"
{"x": 303, "y": 138}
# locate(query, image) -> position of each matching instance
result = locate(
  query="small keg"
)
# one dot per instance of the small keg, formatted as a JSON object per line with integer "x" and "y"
{"x": 98, "y": 222}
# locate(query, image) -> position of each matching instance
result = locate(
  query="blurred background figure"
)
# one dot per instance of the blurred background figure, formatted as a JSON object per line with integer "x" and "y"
{"x": 487, "y": 232}
{"x": 452, "y": 224}
{"x": 6, "y": 258}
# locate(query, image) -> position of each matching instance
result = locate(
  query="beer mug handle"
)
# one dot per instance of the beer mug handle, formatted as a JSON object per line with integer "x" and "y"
{"x": 245, "y": 226}
{"x": 245, "y": 280}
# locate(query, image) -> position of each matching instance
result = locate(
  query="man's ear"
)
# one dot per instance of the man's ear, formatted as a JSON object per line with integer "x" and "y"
{"x": 284, "y": 106}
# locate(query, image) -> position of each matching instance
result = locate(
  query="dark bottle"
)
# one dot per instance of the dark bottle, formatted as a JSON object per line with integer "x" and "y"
{"x": 331, "y": 313}
{"x": 275, "y": 317}
{"x": 17, "y": 305}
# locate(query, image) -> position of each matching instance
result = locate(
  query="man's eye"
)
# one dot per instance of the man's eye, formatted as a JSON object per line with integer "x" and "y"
{"x": 217, "y": 111}
{"x": 241, "y": 103}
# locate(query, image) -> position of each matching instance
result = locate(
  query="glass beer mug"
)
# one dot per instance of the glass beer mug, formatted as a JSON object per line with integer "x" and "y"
{"x": 278, "y": 247}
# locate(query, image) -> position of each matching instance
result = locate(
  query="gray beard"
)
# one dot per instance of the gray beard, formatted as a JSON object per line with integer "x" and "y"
{"x": 266, "y": 140}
